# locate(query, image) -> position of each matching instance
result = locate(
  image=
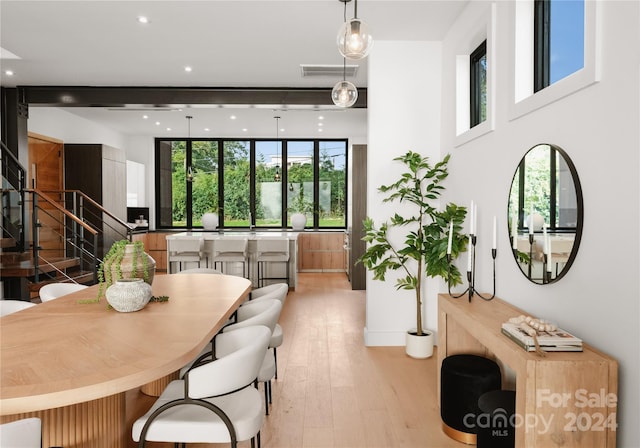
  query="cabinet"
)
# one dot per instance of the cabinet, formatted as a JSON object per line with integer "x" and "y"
{"x": 99, "y": 171}
{"x": 321, "y": 252}
{"x": 565, "y": 399}
{"x": 155, "y": 244}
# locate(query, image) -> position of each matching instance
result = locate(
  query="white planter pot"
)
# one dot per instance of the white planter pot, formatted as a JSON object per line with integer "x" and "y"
{"x": 419, "y": 347}
{"x": 298, "y": 221}
{"x": 210, "y": 221}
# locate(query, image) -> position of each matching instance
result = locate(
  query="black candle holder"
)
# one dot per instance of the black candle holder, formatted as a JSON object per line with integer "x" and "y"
{"x": 471, "y": 274}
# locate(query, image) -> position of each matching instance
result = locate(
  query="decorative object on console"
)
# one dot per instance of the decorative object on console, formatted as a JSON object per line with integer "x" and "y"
{"x": 540, "y": 336}
{"x": 125, "y": 259}
{"x": 298, "y": 221}
{"x": 209, "y": 221}
{"x": 425, "y": 241}
{"x": 128, "y": 294}
{"x": 471, "y": 256}
{"x": 546, "y": 187}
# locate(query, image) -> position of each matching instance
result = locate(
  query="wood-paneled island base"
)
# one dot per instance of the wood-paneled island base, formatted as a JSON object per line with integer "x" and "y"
{"x": 70, "y": 364}
{"x": 565, "y": 399}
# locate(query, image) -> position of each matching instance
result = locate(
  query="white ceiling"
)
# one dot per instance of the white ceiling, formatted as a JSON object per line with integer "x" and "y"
{"x": 239, "y": 43}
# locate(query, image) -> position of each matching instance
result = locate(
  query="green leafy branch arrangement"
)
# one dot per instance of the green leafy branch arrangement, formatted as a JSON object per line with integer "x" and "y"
{"x": 424, "y": 251}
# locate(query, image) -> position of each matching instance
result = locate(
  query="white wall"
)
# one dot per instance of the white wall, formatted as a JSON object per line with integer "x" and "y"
{"x": 404, "y": 114}
{"x": 70, "y": 128}
{"x": 598, "y": 127}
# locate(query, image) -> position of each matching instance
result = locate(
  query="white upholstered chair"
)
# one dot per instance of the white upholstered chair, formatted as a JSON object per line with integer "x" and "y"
{"x": 12, "y": 306}
{"x": 184, "y": 251}
{"x": 268, "y": 252}
{"x": 24, "y": 433}
{"x": 231, "y": 250}
{"x": 52, "y": 291}
{"x": 215, "y": 402}
{"x": 277, "y": 291}
{"x": 199, "y": 271}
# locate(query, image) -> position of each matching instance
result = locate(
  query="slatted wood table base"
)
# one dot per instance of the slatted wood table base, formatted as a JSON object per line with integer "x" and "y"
{"x": 155, "y": 388}
{"x": 97, "y": 423}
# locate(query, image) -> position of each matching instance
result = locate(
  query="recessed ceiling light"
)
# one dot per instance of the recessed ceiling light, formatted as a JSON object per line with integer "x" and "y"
{"x": 143, "y": 19}
{"x": 319, "y": 129}
{"x": 187, "y": 69}
{"x": 157, "y": 123}
{"x": 144, "y": 117}
{"x": 320, "y": 124}
{"x": 320, "y": 117}
{"x": 206, "y": 129}
{"x": 8, "y": 72}
{"x": 168, "y": 129}
{"x": 281, "y": 129}
{"x": 244, "y": 129}
{"x": 233, "y": 117}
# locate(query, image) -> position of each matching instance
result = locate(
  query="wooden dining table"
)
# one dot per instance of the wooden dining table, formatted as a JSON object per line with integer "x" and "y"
{"x": 70, "y": 363}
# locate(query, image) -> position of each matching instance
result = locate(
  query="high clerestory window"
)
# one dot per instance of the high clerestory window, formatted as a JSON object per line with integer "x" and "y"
{"x": 558, "y": 40}
{"x": 478, "y": 84}
{"x": 251, "y": 182}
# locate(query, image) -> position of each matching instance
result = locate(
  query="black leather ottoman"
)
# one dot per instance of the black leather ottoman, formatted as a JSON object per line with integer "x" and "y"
{"x": 463, "y": 379}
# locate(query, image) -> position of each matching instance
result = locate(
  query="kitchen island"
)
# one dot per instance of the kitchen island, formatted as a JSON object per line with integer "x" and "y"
{"x": 209, "y": 238}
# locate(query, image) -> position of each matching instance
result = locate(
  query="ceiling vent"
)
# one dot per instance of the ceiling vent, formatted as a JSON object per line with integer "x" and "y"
{"x": 334, "y": 71}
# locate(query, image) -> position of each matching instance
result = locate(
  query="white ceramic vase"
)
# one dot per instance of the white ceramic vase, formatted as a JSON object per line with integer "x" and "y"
{"x": 128, "y": 294}
{"x": 298, "y": 221}
{"x": 210, "y": 221}
{"x": 419, "y": 347}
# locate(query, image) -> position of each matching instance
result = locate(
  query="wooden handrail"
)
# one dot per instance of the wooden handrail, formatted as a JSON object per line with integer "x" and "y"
{"x": 62, "y": 210}
{"x": 95, "y": 204}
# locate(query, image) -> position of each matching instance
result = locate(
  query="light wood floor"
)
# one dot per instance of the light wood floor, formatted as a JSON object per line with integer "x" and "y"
{"x": 332, "y": 391}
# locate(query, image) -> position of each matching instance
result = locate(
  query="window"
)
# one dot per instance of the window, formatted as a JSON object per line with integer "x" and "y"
{"x": 558, "y": 40}
{"x": 478, "y": 84}
{"x": 251, "y": 182}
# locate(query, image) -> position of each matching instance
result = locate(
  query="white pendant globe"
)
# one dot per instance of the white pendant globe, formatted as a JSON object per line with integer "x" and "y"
{"x": 344, "y": 94}
{"x": 354, "y": 39}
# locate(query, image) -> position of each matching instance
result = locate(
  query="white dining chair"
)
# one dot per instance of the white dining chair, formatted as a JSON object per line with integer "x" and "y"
{"x": 52, "y": 291}
{"x": 215, "y": 402}
{"x": 24, "y": 433}
{"x": 277, "y": 291}
{"x": 9, "y": 306}
{"x": 262, "y": 312}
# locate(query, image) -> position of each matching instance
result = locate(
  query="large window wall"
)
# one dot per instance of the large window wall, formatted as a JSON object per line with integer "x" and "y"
{"x": 251, "y": 183}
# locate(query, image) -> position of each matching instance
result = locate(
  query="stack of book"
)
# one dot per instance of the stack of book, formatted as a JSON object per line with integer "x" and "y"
{"x": 550, "y": 341}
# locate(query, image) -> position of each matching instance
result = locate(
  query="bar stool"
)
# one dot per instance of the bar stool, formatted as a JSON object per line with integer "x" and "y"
{"x": 231, "y": 250}
{"x": 184, "y": 250}
{"x": 271, "y": 250}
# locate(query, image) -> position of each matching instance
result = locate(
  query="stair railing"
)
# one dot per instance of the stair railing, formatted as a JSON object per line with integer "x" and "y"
{"x": 14, "y": 180}
{"x": 80, "y": 236}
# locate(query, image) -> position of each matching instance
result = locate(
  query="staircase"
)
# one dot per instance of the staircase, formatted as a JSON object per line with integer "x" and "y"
{"x": 52, "y": 236}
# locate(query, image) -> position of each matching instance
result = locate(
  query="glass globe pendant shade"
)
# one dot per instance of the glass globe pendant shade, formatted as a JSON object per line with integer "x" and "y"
{"x": 354, "y": 39}
{"x": 344, "y": 94}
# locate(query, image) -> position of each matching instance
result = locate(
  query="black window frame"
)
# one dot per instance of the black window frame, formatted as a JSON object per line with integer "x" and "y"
{"x": 315, "y": 222}
{"x": 541, "y": 44}
{"x": 475, "y": 97}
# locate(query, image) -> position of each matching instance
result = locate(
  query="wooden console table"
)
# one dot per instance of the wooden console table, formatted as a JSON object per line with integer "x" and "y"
{"x": 565, "y": 399}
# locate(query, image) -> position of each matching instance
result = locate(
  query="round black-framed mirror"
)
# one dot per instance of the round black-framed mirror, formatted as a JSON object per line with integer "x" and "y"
{"x": 545, "y": 213}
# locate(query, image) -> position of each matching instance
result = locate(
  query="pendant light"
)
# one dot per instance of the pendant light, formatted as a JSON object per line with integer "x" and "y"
{"x": 344, "y": 93}
{"x": 189, "y": 169}
{"x": 276, "y": 177}
{"x": 354, "y": 39}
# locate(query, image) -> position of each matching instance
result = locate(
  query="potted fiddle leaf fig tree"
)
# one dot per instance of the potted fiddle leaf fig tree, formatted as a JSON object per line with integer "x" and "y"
{"x": 422, "y": 252}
